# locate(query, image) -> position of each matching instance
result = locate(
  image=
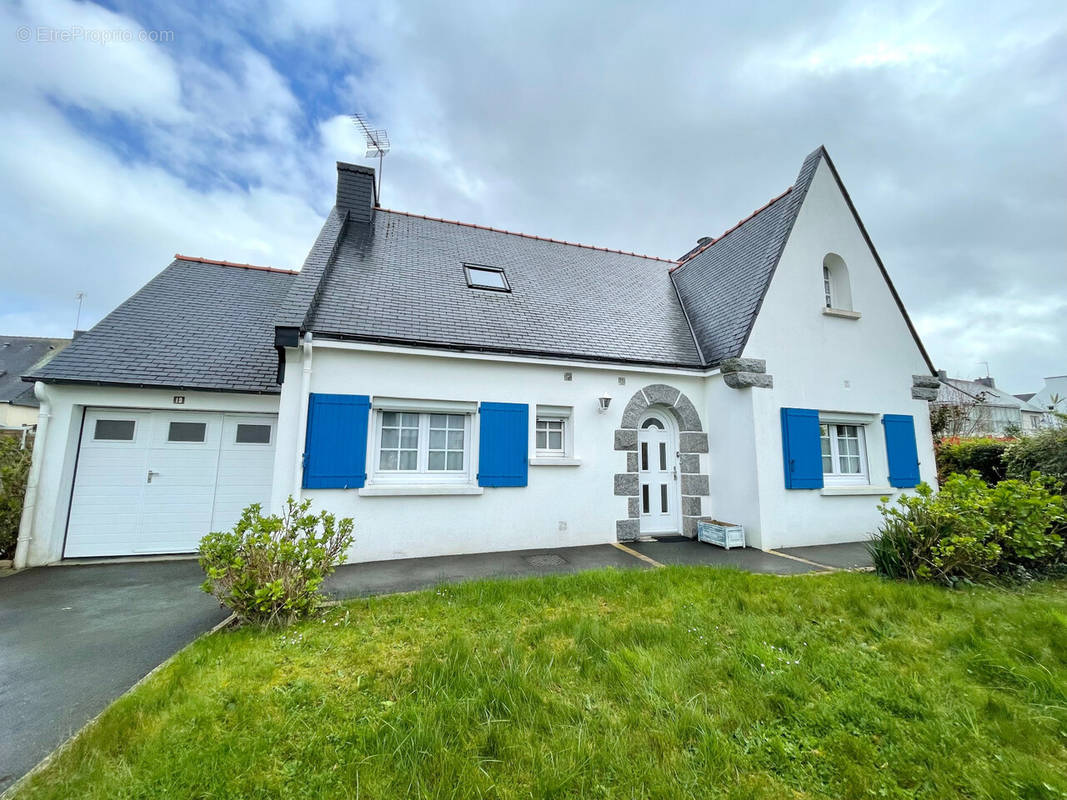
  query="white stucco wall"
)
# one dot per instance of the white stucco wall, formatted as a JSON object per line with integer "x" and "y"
{"x": 561, "y": 506}
{"x": 832, "y": 364}
{"x": 57, "y": 450}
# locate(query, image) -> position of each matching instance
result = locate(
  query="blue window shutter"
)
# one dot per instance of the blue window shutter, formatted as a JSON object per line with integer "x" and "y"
{"x": 503, "y": 444}
{"x": 335, "y": 445}
{"x": 801, "y": 451}
{"x": 901, "y": 450}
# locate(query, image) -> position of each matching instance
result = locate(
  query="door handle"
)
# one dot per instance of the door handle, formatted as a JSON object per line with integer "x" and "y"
{"x": 150, "y": 474}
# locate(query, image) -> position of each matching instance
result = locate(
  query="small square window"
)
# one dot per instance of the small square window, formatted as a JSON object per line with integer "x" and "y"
{"x": 187, "y": 432}
{"x": 114, "y": 430}
{"x": 252, "y": 434}
{"x": 482, "y": 277}
{"x": 550, "y": 436}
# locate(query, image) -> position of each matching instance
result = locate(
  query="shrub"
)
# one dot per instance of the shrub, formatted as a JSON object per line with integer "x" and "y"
{"x": 963, "y": 455}
{"x": 14, "y": 469}
{"x": 269, "y": 570}
{"x": 971, "y": 531}
{"x": 1044, "y": 452}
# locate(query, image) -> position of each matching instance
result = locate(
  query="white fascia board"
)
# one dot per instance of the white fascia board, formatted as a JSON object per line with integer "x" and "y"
{"x": 340, "y": 344}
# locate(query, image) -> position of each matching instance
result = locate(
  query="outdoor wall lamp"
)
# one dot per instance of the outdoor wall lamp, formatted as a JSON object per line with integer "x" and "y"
{"x": 605, "y": 401}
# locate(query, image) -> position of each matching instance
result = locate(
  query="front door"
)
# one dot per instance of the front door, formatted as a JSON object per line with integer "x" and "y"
{"x": 657, "y": 462}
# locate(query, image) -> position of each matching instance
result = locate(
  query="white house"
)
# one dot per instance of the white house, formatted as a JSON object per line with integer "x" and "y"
{"x": 1050, "y": 398}
{"x": 987, "y": 410}
{"x": 457, "y": 388}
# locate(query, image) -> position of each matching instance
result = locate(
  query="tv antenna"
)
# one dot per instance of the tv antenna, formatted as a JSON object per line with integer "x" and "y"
{"x": 78, "y": 298}
{"x": 377, "y": 145}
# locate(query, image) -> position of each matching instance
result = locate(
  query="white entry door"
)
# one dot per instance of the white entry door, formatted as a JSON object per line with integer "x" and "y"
{"x": 657, "y": 462}
{"x": 151, "y": 482}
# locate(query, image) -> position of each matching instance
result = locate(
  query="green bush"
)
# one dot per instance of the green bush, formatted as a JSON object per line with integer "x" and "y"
{"x": 1044, "y": 452}
{"x": 970, "y": 531}
{"x": 963, "y": 455}
{"x": 14, "y": 469}
{"x": 269, "y": 570}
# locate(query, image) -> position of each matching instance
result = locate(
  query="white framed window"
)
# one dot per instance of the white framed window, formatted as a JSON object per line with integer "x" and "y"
{"x": 421, "y": 447}
{"x": 550, "y": 436}
{"x": 828, "y": 286}
{"x": 844, "y": 453}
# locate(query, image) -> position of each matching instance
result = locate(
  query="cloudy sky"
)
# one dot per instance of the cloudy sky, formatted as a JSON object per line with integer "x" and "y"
{"x": 213, "y": 131}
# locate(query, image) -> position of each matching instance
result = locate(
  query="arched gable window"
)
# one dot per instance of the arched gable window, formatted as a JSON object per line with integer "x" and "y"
{"x": 837, "y": 293}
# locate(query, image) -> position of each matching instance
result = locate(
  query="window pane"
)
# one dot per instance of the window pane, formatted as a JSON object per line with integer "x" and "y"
{"x": 390, "y": 437}
{"x": 455, "y": 460}
{"x": 652, "y": 422}
{"x": 253, "y": 434}
{"x": 409, "y": 437}
{"x": 824, "y": 444}
{"x": 644, "y": 456}
{"x": 390, "y": 419}
{"x": 555, "y": 440}
{"x": 437, "y": 440}
{"x": 455, "y": 440}
{"x": 438, "y": 420}
{"x": 486, "y": 277}
{"x": 115, "y": 430}
{"x": 456, "y": 421}
{"x": 437, "y": 459}
{"x": 408, "y": 459}
{"x": 388, "y": 460}
{"x": 663, "y": 455}
{"x": 187, "y": 432}
{"x": 644, "y": 498}
{"x": 663, "y": 497}
{"x": 542, "y": 440}
{"x": 410, "y": 420}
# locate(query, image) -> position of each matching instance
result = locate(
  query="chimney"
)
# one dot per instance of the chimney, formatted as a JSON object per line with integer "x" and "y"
{"x": 987, "y": 381}
{"x": 355, "y": 191}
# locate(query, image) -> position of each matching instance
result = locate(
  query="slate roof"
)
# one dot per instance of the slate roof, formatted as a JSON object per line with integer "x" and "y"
{"x": 391, "y": 277}
{"x": 198, "y": 324}
{"x": 955, "y": 390}
{"x": 20, "y": 354}
{"x": 401, "y": 280}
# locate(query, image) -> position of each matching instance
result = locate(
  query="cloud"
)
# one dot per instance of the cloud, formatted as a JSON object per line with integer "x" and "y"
{"x": 639, "y": 127}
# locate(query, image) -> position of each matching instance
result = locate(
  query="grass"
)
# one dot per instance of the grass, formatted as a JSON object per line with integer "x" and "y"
{"x": 680, "y": 682}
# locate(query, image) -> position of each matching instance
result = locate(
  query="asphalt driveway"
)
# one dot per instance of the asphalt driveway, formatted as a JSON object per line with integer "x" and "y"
{"x": 74, "y": 638}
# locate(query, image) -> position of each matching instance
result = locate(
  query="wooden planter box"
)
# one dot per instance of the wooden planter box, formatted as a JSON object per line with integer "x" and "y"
{"x": 724, "y": 534}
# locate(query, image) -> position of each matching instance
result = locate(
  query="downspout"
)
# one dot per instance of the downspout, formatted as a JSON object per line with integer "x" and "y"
{"x": 29, "y": 502}
{"x": 305, "y": 390}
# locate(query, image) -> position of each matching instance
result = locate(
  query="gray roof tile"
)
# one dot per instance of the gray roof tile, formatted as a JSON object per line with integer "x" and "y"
{"x": 401, "y": 279}
{"x": 20, "y": 354}
{"x": 196, "y": 325}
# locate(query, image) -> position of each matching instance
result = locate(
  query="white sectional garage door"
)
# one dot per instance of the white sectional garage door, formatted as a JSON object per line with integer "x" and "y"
{"x": 156, "y": 481}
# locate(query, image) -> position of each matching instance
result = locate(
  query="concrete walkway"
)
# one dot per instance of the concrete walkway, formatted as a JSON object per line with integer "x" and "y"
{"x": 73, "y": 638}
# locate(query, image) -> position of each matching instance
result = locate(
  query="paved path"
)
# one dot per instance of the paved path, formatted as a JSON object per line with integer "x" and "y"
{"x": 74, "y": 638}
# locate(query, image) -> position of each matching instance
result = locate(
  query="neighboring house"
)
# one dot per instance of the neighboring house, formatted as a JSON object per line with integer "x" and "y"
{"x": 19, "y": 355}
{"x": 1051, "y": 399}
{"x": 986, "y": 410}
{"x": 457, "y": 388}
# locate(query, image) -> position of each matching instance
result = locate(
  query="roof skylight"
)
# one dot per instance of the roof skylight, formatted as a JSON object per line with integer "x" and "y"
{"x": 480, "y": 276}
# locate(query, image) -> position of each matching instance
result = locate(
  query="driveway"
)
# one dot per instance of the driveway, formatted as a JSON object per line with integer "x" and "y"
{"x": 74, "y": 638}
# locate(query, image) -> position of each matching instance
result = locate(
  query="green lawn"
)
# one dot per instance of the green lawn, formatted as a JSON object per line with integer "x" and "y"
{"x": 679, "y": 682}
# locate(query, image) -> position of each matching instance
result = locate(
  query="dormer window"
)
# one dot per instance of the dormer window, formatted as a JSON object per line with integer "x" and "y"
{"x": 480, "y": 276}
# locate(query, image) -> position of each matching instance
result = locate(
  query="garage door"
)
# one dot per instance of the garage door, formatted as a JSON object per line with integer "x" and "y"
{"x": 155, "y": 481}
